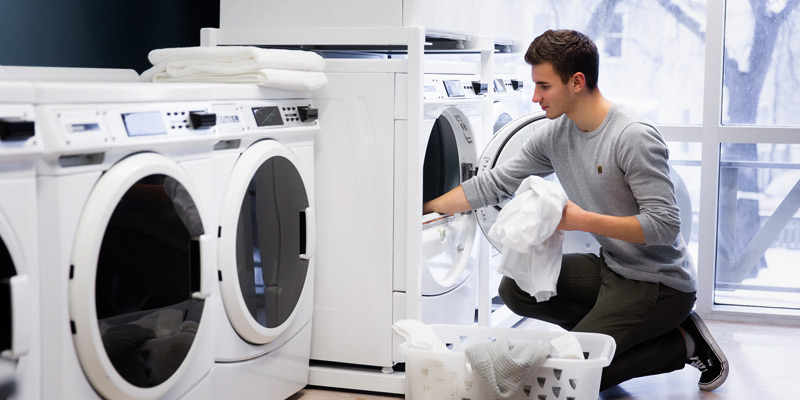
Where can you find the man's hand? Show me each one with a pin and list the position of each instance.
(571, 217)
(575, 218)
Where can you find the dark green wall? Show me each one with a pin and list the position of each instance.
(99, 33)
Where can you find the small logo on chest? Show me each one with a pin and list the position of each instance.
(599, 169)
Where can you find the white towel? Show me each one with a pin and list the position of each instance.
(274, 78)
(526, 226)
(418, 335)
(233, 57)
(278, 68)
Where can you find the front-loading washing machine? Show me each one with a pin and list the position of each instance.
(371, 183)
(20, 146)
(127, 240)
(264, 198)
(509, 101)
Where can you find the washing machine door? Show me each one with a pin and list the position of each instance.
(265, 242)
(136, 293)
(501, 116)
(505, 144)
(447, 240)
(15, 296)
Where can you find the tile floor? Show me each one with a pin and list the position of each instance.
(763, 361)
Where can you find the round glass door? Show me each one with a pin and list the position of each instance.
(447, 240)
(7, 271)
(264, 258)
(135, 285)
(147, 270)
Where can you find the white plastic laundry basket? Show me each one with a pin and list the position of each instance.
(447, 374)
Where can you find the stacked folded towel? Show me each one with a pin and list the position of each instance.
(277, 68)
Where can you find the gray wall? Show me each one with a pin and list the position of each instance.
(99, 33)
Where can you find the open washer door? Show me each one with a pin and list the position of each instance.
(266, 242)
(505, 144)
(136, 293)
(447, 240)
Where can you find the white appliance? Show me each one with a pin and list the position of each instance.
(370, 183)
(127, 238)
(507, 141)
(264, 198)
(20, 146)
(509, 101)
(440, 18)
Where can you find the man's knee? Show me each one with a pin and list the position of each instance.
(511, 294)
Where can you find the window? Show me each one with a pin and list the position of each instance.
(660, 71)
(758, 229)
(761, 63)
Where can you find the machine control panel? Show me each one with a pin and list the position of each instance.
(437, 87)
(95, 127)
(237, 117)
(504, 85)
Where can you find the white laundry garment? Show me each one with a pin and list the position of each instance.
(418, 335)
(526, 226)
(566, 346)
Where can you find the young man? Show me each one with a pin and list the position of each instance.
(613, 166)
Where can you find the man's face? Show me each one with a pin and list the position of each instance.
(549, 91)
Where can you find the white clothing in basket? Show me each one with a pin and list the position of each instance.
(418, 335)
(526, 226)
(503, 366)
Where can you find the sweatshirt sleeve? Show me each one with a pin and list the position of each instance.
(500, 183)
(643, 157)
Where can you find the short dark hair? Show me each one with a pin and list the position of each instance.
(569, 52)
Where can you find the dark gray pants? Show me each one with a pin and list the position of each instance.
(641, 316)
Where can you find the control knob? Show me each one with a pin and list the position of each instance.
(16, 129)
(308, 114)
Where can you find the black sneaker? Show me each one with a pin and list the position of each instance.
(708, 357)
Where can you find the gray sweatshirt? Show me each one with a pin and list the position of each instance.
(618, 169)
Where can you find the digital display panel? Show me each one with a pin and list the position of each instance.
(454, 88)
(144, 123)
(267, 116)
(499, 86)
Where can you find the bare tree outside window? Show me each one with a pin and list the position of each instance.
(660, 71)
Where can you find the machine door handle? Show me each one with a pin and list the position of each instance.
(308, 114)
(480, 87)
(202, 120)
(16, 130)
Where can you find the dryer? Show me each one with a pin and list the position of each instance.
(127, 240)
(455, 19)
(264, 199)
(371, 184)
(20, 146)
